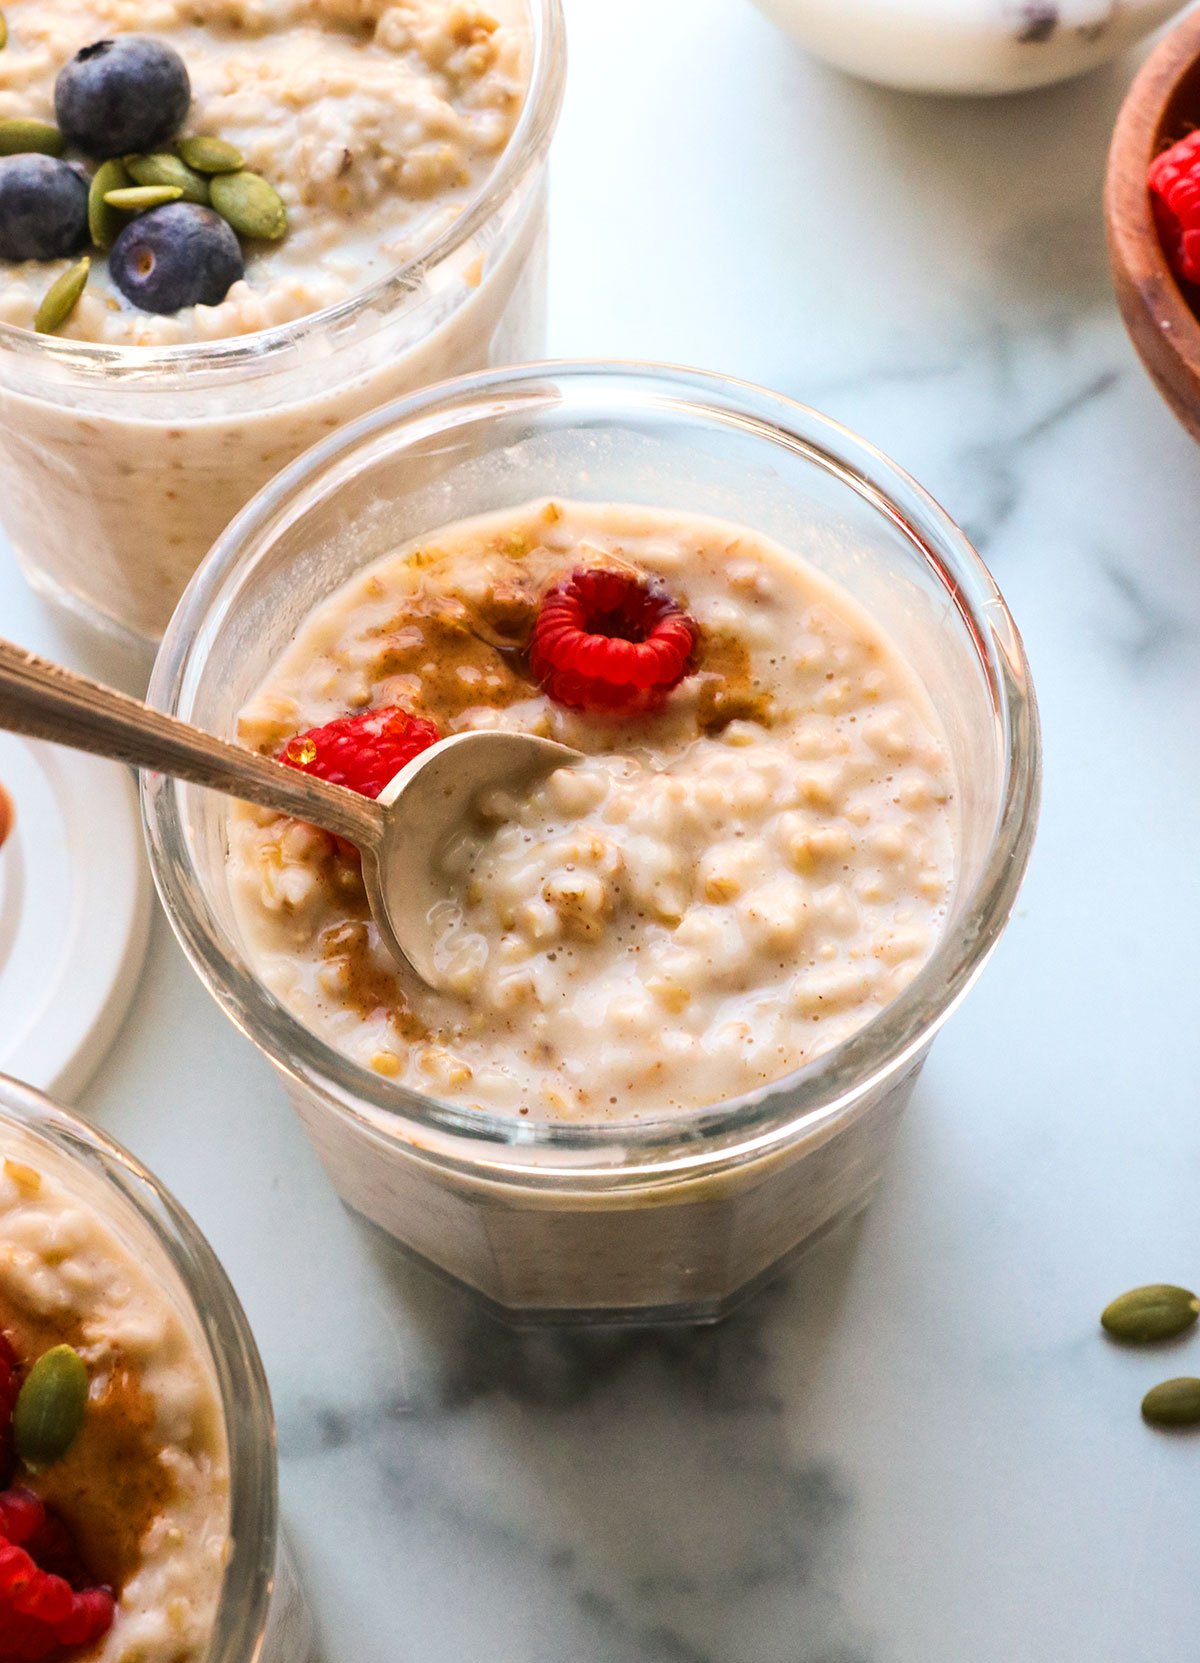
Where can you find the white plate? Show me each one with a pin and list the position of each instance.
(74, 912)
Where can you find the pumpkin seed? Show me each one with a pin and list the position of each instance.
(21, 137)
(50, 1406)
(165, 169)
(57, 305)
(252, 207)
(104, 222)
(138, 198)
(211, 155)
(3, 31)
(1174, 1403)
(1156, 1312)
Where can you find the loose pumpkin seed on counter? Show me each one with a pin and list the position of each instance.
(1146, 1316)
(1173, 1403)
(207, 155)
(252, 206)
(20, 136)
(138, 199)
(62, 297)
(162, 168)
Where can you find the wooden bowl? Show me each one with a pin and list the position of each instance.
(1161, 106)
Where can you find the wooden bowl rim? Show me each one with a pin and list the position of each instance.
(1135, 248)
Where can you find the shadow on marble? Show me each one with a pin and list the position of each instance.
(657, 1482)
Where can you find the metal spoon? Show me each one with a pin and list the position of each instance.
(400, 834)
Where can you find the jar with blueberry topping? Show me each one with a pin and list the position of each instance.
(219, 243)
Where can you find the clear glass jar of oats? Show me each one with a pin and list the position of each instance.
(667, 1199)
(129, 441)
(96, 1253)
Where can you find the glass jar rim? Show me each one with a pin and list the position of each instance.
(231, 355)
(248, 1580)
(798, 1102)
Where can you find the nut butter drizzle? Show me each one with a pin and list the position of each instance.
(110, 1485)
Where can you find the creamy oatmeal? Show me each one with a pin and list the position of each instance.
(725, 887)
(142, 1490)
(376, 120)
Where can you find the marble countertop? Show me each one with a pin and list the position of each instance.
(916, 1448)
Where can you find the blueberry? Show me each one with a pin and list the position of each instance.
(177, 256)
(121, 96)
(43, 208)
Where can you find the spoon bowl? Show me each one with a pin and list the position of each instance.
(423, 806)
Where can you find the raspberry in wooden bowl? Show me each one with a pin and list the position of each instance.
(137, 1471)
(686, 985)
(1152, 211)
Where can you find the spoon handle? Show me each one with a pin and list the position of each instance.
(46, 701)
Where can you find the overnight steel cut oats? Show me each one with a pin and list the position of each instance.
(755, 857)
(114, 1495)
(373, 122)
(183, 177)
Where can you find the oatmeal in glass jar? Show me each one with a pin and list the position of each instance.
(747, 866)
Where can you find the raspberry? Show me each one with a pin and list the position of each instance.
(41, 1613)
(361, 752)
(1174, 181)
(22, 1516)
(609, 641)
(10, 1386)
(91, 1616)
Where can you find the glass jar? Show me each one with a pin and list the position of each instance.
(673, 1218)
(262, 1616)
(119, 465)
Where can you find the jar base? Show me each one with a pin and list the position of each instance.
(699, 1313)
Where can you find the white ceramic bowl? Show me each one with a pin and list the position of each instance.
(968, 46)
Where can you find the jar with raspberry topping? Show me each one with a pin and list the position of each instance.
(686, 987)
(138, 1496)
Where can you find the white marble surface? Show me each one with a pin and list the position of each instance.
(917, 1449)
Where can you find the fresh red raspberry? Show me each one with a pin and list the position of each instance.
(609, 641)
(92, 1611)
(1174, 181)
(10, 1386)
(53, 1546)
(22, 1516)
(362, 752)
(41, 1614)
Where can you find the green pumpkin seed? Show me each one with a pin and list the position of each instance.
(1145, 1315)
(164, 169)
(252, 207)
(105, 222)
(19, 137)
(57, 305)
(1174, 1403)
(50, 1407)
(137, 199)
(3, 31)
(211, 155)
